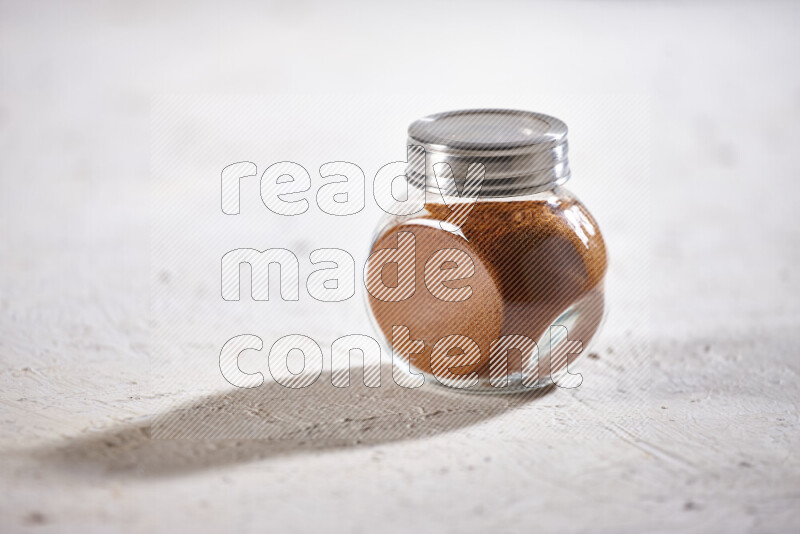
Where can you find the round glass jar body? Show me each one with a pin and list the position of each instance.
(491, 295)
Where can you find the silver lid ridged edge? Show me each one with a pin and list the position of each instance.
(522, 152)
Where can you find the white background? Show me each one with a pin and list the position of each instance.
(708, 443)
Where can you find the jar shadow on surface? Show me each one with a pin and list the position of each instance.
(529, 251)
(247, 425)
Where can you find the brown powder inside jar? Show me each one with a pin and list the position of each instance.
(533, 260)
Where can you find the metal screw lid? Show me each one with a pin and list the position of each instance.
(522, 152)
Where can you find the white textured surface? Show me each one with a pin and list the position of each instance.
(708, 442)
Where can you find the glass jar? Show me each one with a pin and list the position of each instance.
(497, 282)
